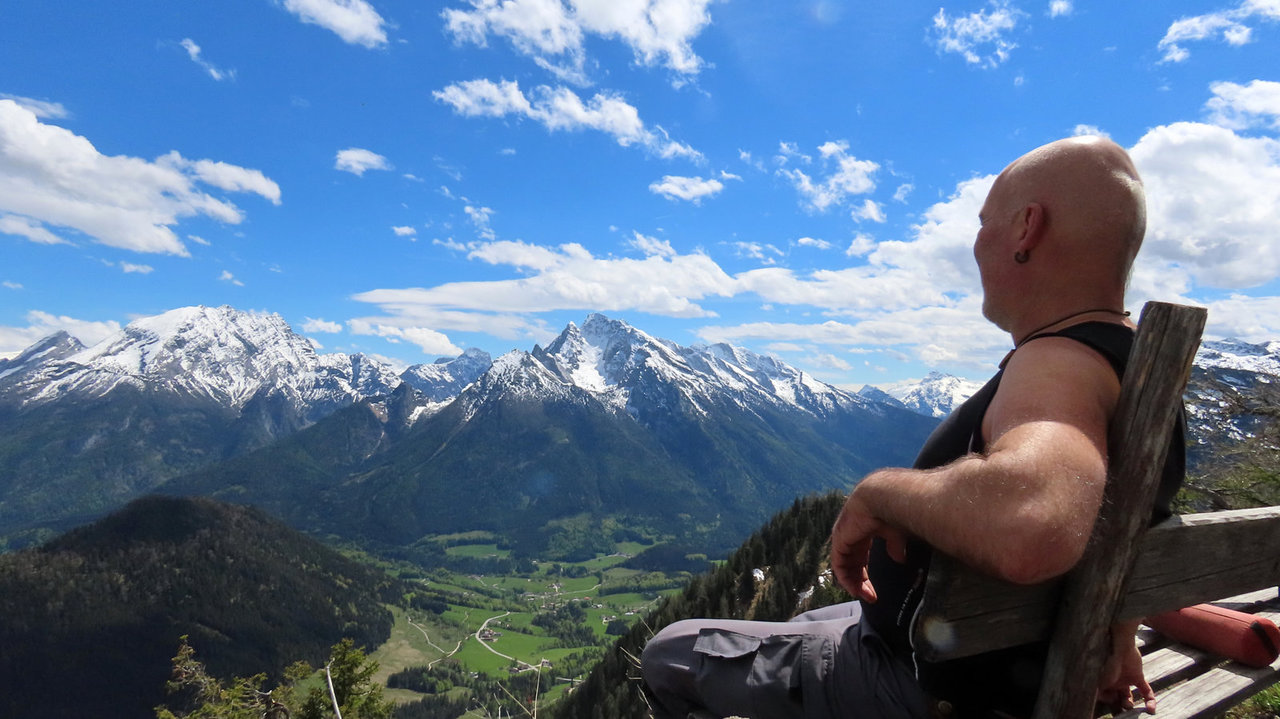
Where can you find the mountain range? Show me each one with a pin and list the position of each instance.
(606, 420)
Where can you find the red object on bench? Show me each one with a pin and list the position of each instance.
(1251, 640)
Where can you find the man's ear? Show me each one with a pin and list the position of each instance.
(1031, 223)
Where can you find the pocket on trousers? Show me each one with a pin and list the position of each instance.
(744, 674)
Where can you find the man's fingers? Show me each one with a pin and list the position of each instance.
(1148, 696)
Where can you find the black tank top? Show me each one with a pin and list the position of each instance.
(1009, 679)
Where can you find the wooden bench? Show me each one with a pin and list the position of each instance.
(1128, 571)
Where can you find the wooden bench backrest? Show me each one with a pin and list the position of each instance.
(1080, 607)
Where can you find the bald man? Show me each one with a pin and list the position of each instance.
(1010, 483)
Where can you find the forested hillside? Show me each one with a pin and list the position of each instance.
(89, 621)
(790, 550)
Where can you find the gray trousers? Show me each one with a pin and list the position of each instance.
(823, 663)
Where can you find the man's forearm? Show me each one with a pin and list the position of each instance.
(1000, 513)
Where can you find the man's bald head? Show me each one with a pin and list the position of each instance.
(1091, 194)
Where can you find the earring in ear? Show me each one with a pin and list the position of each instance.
(1021, 257)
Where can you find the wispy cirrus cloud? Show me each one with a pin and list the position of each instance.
(355, 21)
(1233, 26)
(562, 109)
(981, 37)
(42, 109)
(51, 178)
(215, 72)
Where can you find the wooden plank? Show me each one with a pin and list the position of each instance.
(1139, 437)
(1220, 686)
(1187, 560)
(968, 613)
(1169, 665)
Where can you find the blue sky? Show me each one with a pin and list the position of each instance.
(800, 178)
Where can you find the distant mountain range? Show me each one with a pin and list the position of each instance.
(934, 396)
(605, 421)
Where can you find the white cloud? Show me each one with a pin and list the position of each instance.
(692, 189)
(1059, 8)
(52, 177)
(929, 280)
(1088, 131)
(430, 341)
(321, 326)
(130, 268)
(1252, 319)
(566, 277)
(42, 109)
(562, 109)
(652, 246)
(812, 242)
(1229, 25)
(357, 161)
(956, 335)
(404, 231)
(904, 190)
(226, 276)
(11, 285)
(763, 252)
(848, 176)
(827, 360)
(1213, 203)
(355, 21)
(224, 176)
(42, 324)
(1240, 107)
(868, 210)
(30, 229)
(480, 217)
(980, 37)
(553, 33)
(860, 245)
(193, 52)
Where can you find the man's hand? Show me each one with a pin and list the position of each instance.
(851, 545)
(1122, 673)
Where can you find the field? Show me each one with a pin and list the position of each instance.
(500, 626)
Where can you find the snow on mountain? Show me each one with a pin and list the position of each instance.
(613, 360)
(1227, 397)
(214, 353)
(1236, 355)
(50, 349)
(225, 356)
(1233, 391)
(446, 377)
(934, 396)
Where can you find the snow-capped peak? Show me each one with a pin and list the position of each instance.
(447, 376)
(218, 354)
(615, 361)
(1263, 358)
(56, 346)
(934, 396)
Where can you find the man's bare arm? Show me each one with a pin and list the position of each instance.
(1024, 510)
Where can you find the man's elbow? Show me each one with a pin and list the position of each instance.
(1039, 555)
